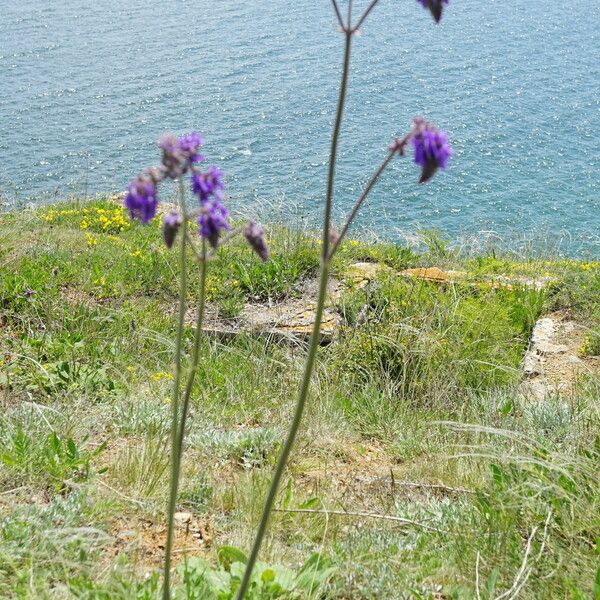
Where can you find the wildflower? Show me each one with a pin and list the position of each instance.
(91, 240)
(160, 376)
(28, 293)
(256, 238)
(212, 221)
(141, 198)
(178, 154)
(173, 160)
(435, 7)
(190, 145)
(171, 223)
(432, 149)
(208, 184)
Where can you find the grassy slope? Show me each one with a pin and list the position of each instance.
(422, 391)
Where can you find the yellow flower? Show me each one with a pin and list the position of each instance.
(160, 376)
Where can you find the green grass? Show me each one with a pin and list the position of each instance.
(414, 414)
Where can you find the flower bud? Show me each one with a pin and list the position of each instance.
(435, 7)
(256, 238)
(171, 224)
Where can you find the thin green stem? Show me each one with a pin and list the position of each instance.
(334, 145)
(176, 391)
(195, 355)
(178, 446)
(291, 436)
(365, 15)
(360, 200)
(315, 336)
(338, 14)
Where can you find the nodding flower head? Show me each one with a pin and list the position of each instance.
(171, 224)
(212, 221)
(432, 149)
(435, 7)
(178, 154)
(209, 184)
(141, 198)
(256, 238)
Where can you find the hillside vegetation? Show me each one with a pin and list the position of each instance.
(421, 471)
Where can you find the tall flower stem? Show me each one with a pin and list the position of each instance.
(334, 145)
(180, 431)
(176, 391)
(195, 354)
(316, 330)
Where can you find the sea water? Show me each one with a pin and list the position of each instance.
(86, 89)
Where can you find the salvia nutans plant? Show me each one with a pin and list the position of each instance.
(182, 157)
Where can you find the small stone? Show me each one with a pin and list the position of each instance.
(182, 518)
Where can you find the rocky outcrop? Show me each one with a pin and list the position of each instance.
(293, 318)
(552, 364)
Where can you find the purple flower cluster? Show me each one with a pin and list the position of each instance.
(189, 146)
(435, 7)
(213, 221)
(180, 156)
(209, 184)
(432, 149)
(141, 199)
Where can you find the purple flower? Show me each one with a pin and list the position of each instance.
(190, 145)
(256, 238)
(28, 293)
(171, 224)
(432, 149)
(435, 7)
(208, 184)
(179, 153)
(212, 221)
(141, 198)
(173, 158)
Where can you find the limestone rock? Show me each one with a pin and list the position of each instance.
(183, 518)
(362, 273)
(551, 365)
(433, 274)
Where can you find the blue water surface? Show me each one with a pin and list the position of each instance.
(87, 88)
